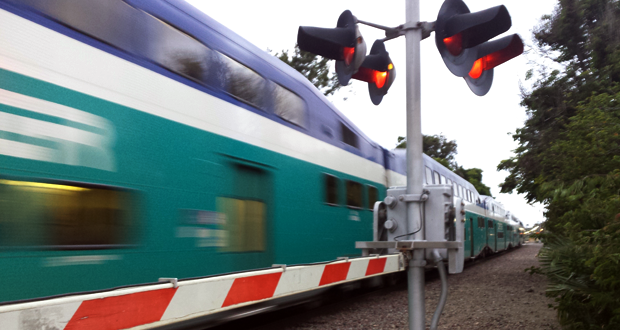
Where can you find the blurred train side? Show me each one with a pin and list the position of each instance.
(134, 150)
(120, 165)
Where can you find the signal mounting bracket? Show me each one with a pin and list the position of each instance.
(395, 32)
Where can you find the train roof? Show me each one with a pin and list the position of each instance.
(201, 26)
(398, 164)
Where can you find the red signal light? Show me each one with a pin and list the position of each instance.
(347, 54)
(488, 62)
(380, 78)
(454, 44)
(477, 68)
(372, 76)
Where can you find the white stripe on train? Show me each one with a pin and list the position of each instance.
(35, 51)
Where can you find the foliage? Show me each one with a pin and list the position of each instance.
(569, 159)
(313, 67)
(443, 151)
(474, 176)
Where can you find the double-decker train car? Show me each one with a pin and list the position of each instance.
(141, 139)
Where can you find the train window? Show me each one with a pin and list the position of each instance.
(134, 31)
(243, 83)
(500, 235)
(429, 176)
(436, 176)
(104, 20)
(373, 196)
(289, 106)
(456, 190)
(62, 215)
(348, 136)
(354, 194)
(331, 189)
(490, 223)
(244, 225)
(461, 191)
(443, 179)
(173, 49)
(480, 223)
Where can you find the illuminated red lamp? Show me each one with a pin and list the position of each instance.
(347, 54)
(372, 76)
(489, 61)
(454, 44)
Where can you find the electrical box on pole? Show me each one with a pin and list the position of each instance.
(442, 220)
(462, 40)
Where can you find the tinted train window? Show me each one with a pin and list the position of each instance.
(373, 196)
(429, 176)
(348, 136)
(244, 84)
(331, 189)
(63, 216)
(490, 223)
(134, 31)
(480, 223)
(354, 194)
(500, 235)
(289, 106)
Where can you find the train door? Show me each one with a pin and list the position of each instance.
(471, 238)
(491, 235)
(247, 213)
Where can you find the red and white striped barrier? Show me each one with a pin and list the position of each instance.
(156, 305)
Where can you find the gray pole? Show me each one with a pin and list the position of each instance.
(415, 167)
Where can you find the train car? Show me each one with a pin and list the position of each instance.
(142, 139)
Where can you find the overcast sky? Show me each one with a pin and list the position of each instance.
(480, 125)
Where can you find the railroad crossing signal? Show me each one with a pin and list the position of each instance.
(462, 40)
(344, 44)
(378, 71)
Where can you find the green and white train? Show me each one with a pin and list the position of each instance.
(141, 139)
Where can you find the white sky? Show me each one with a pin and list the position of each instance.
(480, 125)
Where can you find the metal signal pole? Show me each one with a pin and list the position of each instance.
(415, 167)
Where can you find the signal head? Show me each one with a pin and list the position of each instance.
(489, 55)
(344, 44)
(378, 71)
(458, 32)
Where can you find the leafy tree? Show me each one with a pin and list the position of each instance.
(313, 67)
(569, 159)
(439, 148)
(474, 176)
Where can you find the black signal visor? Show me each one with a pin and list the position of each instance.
(475, 28)
(494, 53)
(329, 43)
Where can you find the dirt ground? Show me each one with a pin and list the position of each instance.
(490, 294)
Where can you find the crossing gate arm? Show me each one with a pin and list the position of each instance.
(148, 306)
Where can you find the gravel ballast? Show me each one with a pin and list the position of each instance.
(490, 294)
